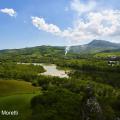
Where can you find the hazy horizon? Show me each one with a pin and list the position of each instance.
(54, 45)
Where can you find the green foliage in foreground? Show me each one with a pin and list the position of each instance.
(16, 95)
(21, 103)
(110, 78)
(92, 91)
(56, 104)
(70, 99)
(15, 87)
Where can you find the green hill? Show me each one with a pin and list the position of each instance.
(43, 53)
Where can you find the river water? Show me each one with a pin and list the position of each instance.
(51, 69)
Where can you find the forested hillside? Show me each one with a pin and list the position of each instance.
(91, 92)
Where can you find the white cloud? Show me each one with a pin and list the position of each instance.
(42, 25)
(97, 25)
(11, 12)
(80, 7)
(103, 24)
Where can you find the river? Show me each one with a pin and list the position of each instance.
(51, 69)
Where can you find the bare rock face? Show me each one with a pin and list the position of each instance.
(92, 109)
(93, 105)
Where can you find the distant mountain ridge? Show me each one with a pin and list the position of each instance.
(93, 47)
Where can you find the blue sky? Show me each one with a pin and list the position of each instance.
(29, 24)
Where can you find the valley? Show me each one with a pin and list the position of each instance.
(43, 83)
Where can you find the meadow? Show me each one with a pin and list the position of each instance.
(16, 95)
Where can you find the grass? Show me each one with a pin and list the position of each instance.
(16, 95)
(12, 87)
(107, 54)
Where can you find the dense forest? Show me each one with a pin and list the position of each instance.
(92, 91)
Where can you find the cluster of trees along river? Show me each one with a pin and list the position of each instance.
(76, 89)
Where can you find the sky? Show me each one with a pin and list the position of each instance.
(26, 23)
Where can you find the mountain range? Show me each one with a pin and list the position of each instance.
(93, 47)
